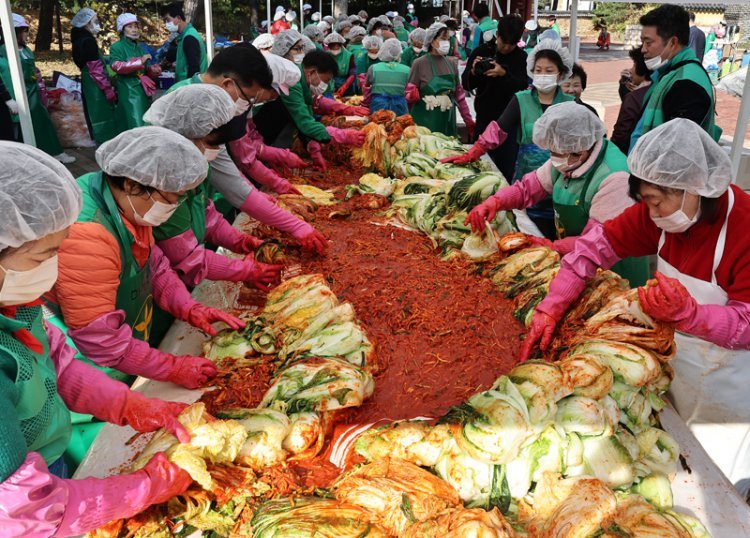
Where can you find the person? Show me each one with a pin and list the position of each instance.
(604, 40)
(136, 73)
(371, 44)
(439, 85)
(111, 275)
(291, 19)
(697, 39)
(481, 14)
(343, 82)
(306, 12)
(8, 108)
(399, 28)
(496, 86)
(315, 18)
(343, 27)
(552, 20)
(388, 79)
(375, 27)
(363, 16)
(324, 28)
(691, 216)
(455, 48)
(356, 35)
(416, 47)
(636, 85)
(586, 176)
(576, 85)
(279, 23)
(36, 93)
(288, 44)
(314, 34)
(264, 43)
(41, 381)
(199, 112)
(411, 16)
(97, 91)
(681, 87)
(549, 65)
(191, 49)
(530, 35)
(279, 124)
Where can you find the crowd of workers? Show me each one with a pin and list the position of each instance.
(93, 269)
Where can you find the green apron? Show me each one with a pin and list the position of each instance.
(133, 296)
(455, 46)
(44, 130)
(343, 61)
(364, 62)
(181, 66)
(572, 204)
(132, 102)
(44, 418)
(402, 34)
(408, 56)
(100, 112)
(436, 120)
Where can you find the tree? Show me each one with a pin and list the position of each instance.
(44, 32)
(340, 6)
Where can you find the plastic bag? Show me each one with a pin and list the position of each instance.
(66, 111)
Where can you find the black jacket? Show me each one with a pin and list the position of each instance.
(494, 93)
(85, 48)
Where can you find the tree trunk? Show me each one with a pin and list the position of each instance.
(190, 7)
(340, 6)
(44, 33)
(254, 13)
(58, 26)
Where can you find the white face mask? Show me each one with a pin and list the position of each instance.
(545, 83)
(21, 287)
(561, 164)
(95, 29)
(297, 58)
(372, 55)
(211, 153)
(444, 47)
(335, 52)
(132, 34)
(678, 221)
(379, 32)
(157, 215)
(319, 89)
(655, 63)
(171, 27)
(417, 49)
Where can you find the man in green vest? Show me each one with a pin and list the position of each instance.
(481, 14)
(191, 49)
(681, 87)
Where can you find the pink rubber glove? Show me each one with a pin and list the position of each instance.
(474, 154)
(220, 232)
(463, 106)
(247, 244)
(412, 94)
(542, 329)
(168, 290)
(259, 207)
(247, 149)
(325, 106)
(668, 300)
(361, 111)
(345, 86)
(316, 154)
(348, 137)
(153, 71)
(482, 213)
(280, 158)
(261, 275)
(265, 176)
(148, 85)
(314, 242)
(129, 67)
(202, 316)
(362, 81)
(43, 94)
(37, 504)
(541, 242)
(98, 75)
(470, 126)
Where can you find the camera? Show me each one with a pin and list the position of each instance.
(484, 65)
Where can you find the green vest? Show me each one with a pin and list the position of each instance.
(389, 78)
(436, 120)
(190, 215)
(408, 56)
(684, 66)
(402, 34)
(43, 417)
(484, 25)
(343, 61)
(132, 102)
(357, 51)
(365, 62)
(195, 79)
(181, 66)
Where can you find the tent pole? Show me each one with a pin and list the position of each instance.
(574, 30)
(16, 72)
(209, 30)
(268, 14)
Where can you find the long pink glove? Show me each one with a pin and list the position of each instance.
(108, 341)
(148, 85)
(128, 67)
(219, 232)
(325, 105)
(99, 76)
(265, 176)
(412, 93)
(463, 106)
(316, 154)
(348, 137)
(280, 158)
(345, 86)
(43, 94)
(259, 207)
(246, 149)
(492, 137)
(171, 295)
(37, 504)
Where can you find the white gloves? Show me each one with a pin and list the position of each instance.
(12, 106)
(443, 102)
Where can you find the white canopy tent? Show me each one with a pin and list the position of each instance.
(743, 118)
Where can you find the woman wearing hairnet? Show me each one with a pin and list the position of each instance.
(111, 273)
(99, 96)
(371, 45)
(343, 81)
(41, 381)
(387, 80)
(586, 176)
(549, 64)
(696, 222)
(314, 34)
(136, 73)
(439, 85)
(198, 112)
(416, 47)
(288, 44)
(264, 43)
(354, 45)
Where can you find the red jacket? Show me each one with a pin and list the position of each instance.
(279, 26)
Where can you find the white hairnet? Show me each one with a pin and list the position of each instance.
(312, 31)
(285, 73)
(549, 33)
(530, 25)
(357, 31)
(398, 22)
(290, 15)
(341, 25)
(278, 16)
(19, 21)
(568, 128)
(554, 45)
(330, 20)
(354, 19)
(315, 17)
(386, 21)
(334, 38)
(307, 44)
(263, 41)
(38, 196)
(306, 7)
(83, 17)
(371, 24)
(154, 157)
(417, 36)
(680, 155)
(280, 9)
(324, 26)
(284, 41)
(432, 32)
(192, 111)
(390, 51)
(372, 42)
(362, 14)
(124, 19)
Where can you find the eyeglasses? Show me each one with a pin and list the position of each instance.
(297, 48)
(242, 94)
